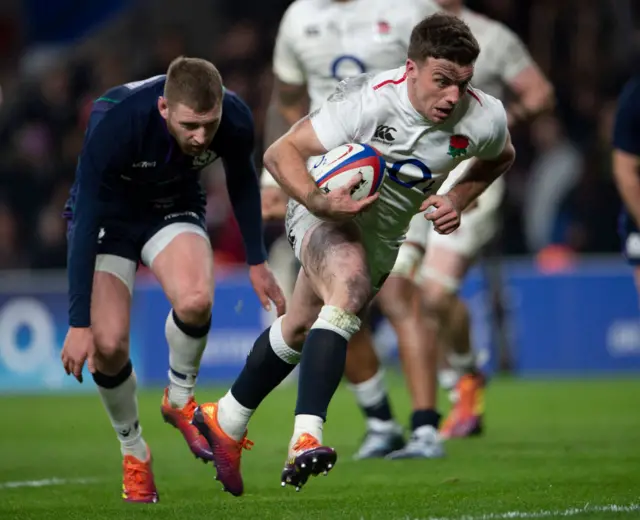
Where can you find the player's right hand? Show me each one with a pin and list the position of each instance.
(274, 203)
(78, 347)
(337, 205)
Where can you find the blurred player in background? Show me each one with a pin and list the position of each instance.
(137, 197)
(626, 170)
(504, 63)
(320, 43)
(346, 252)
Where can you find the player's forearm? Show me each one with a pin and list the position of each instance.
(478, 177)
(81, 258)
(532, 103)
(288, 167)
(244, 194)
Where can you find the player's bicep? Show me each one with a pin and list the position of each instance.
(304, 139)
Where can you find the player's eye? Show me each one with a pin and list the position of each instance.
(190, 126)
(441, 82)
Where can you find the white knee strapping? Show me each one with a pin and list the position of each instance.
(122, 268)
(448, 282)
(338, 320)
(156, 244)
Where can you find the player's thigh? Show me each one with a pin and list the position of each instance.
(449, 257)
(333, 258)
(303, 310)
(179, 255)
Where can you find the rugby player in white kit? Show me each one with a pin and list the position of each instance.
(320, 43)
(347, 252)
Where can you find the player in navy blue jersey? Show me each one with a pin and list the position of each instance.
(137, 197)
(626, 169)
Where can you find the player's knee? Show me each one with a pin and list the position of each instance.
(437, 300)
(111, 349)
(396, 298)
(352, 292)
(294, 332)
(194, 308)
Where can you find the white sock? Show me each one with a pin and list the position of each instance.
(121, 405)
(311, 424)
(233, 417)
(185, 353)
(370, 393)
(463, 362)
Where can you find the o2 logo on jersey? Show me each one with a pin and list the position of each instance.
(395, 171)
(347, 66)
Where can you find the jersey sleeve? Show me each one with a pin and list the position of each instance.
(339, 119)
(512, 56)
(286, 65)
(242, 179)
(106, 149)
(496, 140)
(626, 127)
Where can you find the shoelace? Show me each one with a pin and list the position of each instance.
(135, 474)
(305, 442)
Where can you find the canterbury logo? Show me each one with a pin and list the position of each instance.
(384, 133)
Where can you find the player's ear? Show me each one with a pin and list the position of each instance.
(163, 107)
(412, 68)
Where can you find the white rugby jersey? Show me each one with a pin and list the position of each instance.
(322, 42)
(375, 109)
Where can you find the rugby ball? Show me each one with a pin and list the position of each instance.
(338, 166)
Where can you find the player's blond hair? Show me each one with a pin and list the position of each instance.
(443, 36)
(194, 82)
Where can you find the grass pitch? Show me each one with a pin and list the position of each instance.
(552, 449)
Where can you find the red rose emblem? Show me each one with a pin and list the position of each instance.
(459, 142)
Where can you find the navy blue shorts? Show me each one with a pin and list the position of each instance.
(126, 236)
(630, 238)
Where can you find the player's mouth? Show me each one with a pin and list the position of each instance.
(443, 113)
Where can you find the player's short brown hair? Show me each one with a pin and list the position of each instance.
(443, 36)
(194, 82)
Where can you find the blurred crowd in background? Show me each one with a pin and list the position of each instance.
(559, 192)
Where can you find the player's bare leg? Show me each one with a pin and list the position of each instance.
(114, 375)
(181, 259)
(400, 301)
(366, 381)
(335, 262)
(273, 357)
(444, 269)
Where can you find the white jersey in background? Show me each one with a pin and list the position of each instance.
(419, 154)
(322, 42)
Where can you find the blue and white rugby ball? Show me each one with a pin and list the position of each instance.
(338, 166)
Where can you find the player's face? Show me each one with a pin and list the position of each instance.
(193, 131)
(436, 86)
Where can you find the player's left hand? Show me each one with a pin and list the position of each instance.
(445, 217)
(267, 288)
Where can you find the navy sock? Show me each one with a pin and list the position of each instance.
(381, 411)
(425, 418)
(262, 372)
(321, 367)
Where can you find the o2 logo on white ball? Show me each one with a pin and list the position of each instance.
(29, 313)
